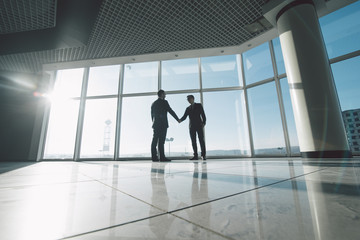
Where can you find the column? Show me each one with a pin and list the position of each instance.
(317, 112)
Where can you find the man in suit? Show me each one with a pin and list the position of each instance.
(159, 110)
(196, 125)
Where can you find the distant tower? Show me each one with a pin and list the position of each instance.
(107, 134)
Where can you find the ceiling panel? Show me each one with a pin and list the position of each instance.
(134, 27)
(25, 15)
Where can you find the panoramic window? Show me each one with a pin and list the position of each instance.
(258, 64)
(61, 132)
(180, 74)
(278, 56)
(265, 118)
(103, 80)
(341, 30)
(346, 75)
(136, 126)
(141, 77)
(221, 71)
(98, 135)
(226, 128)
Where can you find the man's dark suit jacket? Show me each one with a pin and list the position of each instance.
(159, 110)
(196, 115)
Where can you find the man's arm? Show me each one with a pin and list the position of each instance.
(152, 112)
(172, 111)
(202, 113)
(186, 113)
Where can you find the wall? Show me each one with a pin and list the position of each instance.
(18, 108)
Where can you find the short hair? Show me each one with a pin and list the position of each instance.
(191, 96)
(160, 92)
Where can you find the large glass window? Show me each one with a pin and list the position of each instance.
(226, 128)
(178, 139)
(221, 71)
(278, 56)
(180, 74)
(141, 77)
(61, 132)
(294, 142)
(98, 134)
(136, 126)
(267, 131)
(68, 84)
(103, 81)
(258, 64)
(341, 30)
(347, 81)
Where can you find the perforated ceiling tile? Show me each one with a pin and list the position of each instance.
(133, 27)
(138, 27)
(26, 15)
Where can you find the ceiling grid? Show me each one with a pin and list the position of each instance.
(133, 27)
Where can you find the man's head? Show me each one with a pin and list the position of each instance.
(161, 94)
(191, 99)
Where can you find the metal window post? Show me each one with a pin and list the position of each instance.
(280, 100)
(80, 123)
(118, 113)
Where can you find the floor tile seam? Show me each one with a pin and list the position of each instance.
(206, 202)
(200, 226)
(243, 175)
(142, 219)
(131, 196)
(239, 193)
(114, 226)
(46, 184)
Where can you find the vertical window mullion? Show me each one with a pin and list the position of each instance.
(200, 82)
(80, 123)
(159, 76)
(118, 115)
(280, 100)
(247, 107)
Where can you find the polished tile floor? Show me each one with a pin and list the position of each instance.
(274, 198)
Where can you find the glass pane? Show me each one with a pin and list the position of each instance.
(103, 80)
(141, 77)
(98, 135)
(341, 30)
(278, 56)
(61, 133)
(68, 83)
(294, 143)
(266, 123)
(221, 71)
(347, 81)
(257, 64)
(136, 130)
(226, 128)
(180, 74)
(181, 144)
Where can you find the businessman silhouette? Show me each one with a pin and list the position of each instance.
(197, 121)
(159, 110)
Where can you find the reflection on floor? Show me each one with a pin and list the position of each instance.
(218, 199)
